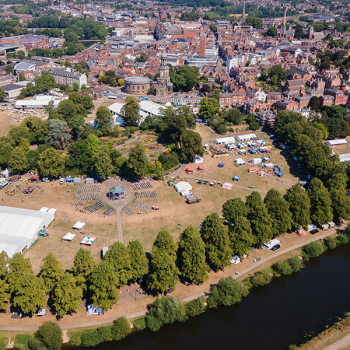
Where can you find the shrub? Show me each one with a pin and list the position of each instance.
(195, 307)
(120, 329)
(105, 333)
(313, 250)
(331, 243)
(282, 268)
(261, 278)
(36, 344)
(75, 338)
(21, 341)
(227, 292)
(295, 263)
(50, 334)
(91, 337)
(343, 239)
(140, 324)
(165, 310)
(293, 347)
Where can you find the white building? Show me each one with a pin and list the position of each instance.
(246, 137)
(40, 101)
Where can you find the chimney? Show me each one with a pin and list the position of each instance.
(202, 45)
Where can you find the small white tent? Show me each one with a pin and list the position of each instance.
(68, 236)
(78, 225)
(239, 161)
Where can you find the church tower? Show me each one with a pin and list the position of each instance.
(163, 86)
(284, 26)
(242, 22)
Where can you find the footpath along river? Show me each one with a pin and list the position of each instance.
(270, 317)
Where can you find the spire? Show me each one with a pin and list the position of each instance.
(284, 23)
(243, 14)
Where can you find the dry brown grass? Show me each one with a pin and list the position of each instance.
(6, 122)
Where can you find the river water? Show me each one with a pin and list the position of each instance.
(287, 311)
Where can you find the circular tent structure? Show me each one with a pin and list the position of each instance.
(116, 192)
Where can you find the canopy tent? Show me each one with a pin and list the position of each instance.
(242, 151)
(41, 312)
(264, 149)
(227, 185)
(268, 165)
(253, 150)
(253, 169)
(201, 167)
(44, 209)
(261, 173)
(189, 170)
(94, 310)
(78, 225)
(183, 186)
(239, 161)
(68, 236)
(89, 181)
(256, 160)
(241, 145)
(116, 192)
(260, 142)
(198, 160)
(221, 165)
(87, 240)
(5, 173)
(69, 179)
(77, 180)
(236, 178)
(278, 173)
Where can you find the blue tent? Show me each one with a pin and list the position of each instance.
(278, 173)
(69, 179)
(236, 178)
(221, 165)
(92, 310)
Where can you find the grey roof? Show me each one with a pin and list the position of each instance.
(12, 87)
(24, 66)
(117, 189)
(137, 80)
(63, 72)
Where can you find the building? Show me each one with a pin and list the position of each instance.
(233, 98)
(68, 76)
(137, 85)
(19, 228)
(40, 102)
(202, 45)
(13, 90)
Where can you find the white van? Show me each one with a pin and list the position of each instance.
(62, 181)
(271, 244)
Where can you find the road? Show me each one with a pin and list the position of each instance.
(192, 297)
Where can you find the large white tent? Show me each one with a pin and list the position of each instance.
(183, 186)
(19, 228)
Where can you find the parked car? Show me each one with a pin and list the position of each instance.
(62, 181)
(235, 259)
(29, 190)
(275, 247)
(314, 231)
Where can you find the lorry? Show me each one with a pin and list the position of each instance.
(191, 200)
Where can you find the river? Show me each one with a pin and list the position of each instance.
(289, 310)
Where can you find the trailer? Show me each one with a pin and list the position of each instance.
(191, 200)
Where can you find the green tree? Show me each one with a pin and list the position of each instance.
(138, 260)
(141, 58)
(165, 310)
(118, 257)
(66, 295)
(45, 82)
(299, 33)
(314, 103)
(120, 328)
(299, 206)
(93, 143)
(104, 120)
(209, 107)
(313, 250)
(233, 209)
(227, 292)
(82, 267)
(103, 285)
(5, 153)
(102, 163)
(58, 135)
(234, 116)
(75, 86)
(87, 102)
(191, 256)
(137, 163)
(51, 271)
(75, 97)
(340, 204)
(2, 94)
(9, 69)
(217, 243)
(37, 129)
(51, 163)
(80, 156)
(17, 267)
(241, 236)
(131, 111)
(278, 209)
(321, 204)
(17, 161)
(259, 218)
(67, 109)
(29, 293)
(191, 145)
(256, 22)
(272, 31)
(50, 333)
(164, 241)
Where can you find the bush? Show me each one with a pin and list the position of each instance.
(261, 278)
(293, 347)
(140, 324)
(282, 268)
(295, 263)
(331, 243)
(50, 334)
(343, 239)
(105, 333)
(195, 307)
(75, 338)
(91, 337)
(21, 341)
(120, 329)
(227, 292)
(165, 310)
(313, 250)
(36, 344)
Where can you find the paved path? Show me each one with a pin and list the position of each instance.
(118, 205)
(341, 344)
(192, 297)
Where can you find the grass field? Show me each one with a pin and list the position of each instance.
(6, 123)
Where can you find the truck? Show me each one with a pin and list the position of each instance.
(191, 200)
